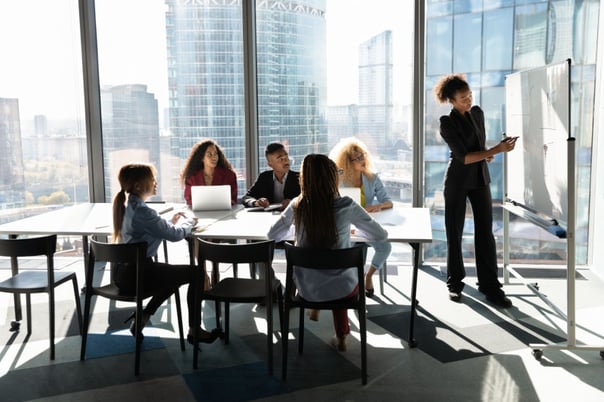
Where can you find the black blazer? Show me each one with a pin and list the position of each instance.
(464, 134)
(263, 188)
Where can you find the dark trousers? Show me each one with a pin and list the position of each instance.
(162, 280)
(485, 248)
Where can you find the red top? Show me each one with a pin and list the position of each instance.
(221, 176)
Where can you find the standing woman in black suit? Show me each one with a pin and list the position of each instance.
(467, 178)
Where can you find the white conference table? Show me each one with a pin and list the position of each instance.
(85, 220)
(404, 225)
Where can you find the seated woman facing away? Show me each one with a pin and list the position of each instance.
(322, 220)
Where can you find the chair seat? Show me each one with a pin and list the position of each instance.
(238, 290)
(32, 281)
(345, 303)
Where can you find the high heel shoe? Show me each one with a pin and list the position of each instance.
(133, 323)
(204, 336)
(369, 292)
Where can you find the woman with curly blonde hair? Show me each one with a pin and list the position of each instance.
(354, 161)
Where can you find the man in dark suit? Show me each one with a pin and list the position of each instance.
(276, 186)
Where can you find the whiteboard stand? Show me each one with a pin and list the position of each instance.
(571, 343)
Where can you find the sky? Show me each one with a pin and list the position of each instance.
(44, 59)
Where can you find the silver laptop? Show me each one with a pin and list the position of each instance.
(352, 192)
(211, 198)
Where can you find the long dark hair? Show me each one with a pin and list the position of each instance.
(194, 162)
(314, 209)
(134, 178)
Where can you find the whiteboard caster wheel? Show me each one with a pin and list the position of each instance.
(537, 353)
(14, 326)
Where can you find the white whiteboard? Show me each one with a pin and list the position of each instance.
(538, 111)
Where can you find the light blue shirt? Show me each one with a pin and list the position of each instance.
(333, 284)
(142, 223)
(374, 189)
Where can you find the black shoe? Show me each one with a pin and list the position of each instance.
(454, 296)
(369, 292)
(500, 300)
(133, 324)
(204, 336)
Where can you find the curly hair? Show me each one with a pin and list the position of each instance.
(314, 207)
(448, 85)
(194, 162)
(343, 153)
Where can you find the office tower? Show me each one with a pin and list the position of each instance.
(375, 94)
(12, 181)
(130, 129)
(206, 81)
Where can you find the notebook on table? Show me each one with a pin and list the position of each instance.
(352, 192)
(211, 198)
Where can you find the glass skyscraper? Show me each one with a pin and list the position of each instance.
(206, 81)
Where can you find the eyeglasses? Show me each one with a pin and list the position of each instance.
(340, 171)
(359, 158)
(283, 158)
(212, 154)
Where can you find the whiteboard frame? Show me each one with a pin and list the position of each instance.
(511, 207)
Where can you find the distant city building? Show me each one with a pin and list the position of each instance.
(130, 129)
(206, 77)
(12, 180)
(375, 94)
(342, 122)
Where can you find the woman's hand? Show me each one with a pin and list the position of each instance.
(176, 217)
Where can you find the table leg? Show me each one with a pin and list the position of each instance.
(17, 297)
(412, 341)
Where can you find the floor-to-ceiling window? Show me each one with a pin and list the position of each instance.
(43, 159)
(486, 41)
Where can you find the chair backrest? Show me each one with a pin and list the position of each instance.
(254, 254)
(118, 252)
(353, 257)
(242, 253)
(45, 245)
(130, 253)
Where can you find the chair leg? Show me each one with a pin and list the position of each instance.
(85, 325)
(74, 281)
(28, 312)
(363, 329)
(269, 334)
(179, 316)
(227, 313)
(51, 322)
(284, 341)
(138, 338)
(301, 332)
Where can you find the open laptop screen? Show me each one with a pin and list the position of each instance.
(211, 198)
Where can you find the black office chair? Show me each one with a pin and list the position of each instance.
(132, 253)
(29, 282)
(240, 290)
(353, 257)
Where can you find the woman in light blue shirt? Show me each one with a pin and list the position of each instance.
(323, 219)
(353, 158)
(134, 221)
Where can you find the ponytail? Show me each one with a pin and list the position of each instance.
(119, 208)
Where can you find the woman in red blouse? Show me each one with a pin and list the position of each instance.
(207, 165)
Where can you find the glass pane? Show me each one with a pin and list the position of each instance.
(542, 32)
(171, 74)
(467, 42)
(333, 69)
(43, 162)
